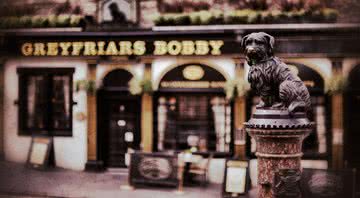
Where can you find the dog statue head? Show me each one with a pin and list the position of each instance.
(258, 47)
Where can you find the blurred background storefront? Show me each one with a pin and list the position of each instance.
(101, 77)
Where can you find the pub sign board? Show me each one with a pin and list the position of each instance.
(192, 76)
(236, 178)
(153, 169)
(138, 43)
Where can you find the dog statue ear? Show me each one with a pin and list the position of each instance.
(243, 40)
(270, 39)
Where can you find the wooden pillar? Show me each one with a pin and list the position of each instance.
(239, 116)
(93, 164)
(147, 115)
(337, 121)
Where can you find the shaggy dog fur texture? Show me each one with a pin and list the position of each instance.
(271, 78)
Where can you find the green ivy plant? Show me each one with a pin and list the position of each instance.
(236, 88)
(138, 86)
(248, 16)
(85, 85)
(336, 84)
(39, 21)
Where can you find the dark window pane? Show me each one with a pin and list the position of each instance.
(36, 102)
(193, 121)
(60, 102)
(45, 101)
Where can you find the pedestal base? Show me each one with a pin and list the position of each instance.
(279, 138)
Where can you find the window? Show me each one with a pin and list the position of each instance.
(45, 101)
(200, 121)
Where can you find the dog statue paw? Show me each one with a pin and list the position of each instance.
(271, 78)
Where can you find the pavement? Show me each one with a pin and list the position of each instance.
(17, 180)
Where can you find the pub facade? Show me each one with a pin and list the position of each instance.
(101, 94)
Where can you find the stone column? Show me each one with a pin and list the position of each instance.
(279, 138)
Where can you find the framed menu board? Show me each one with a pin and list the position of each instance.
(40, 148)
(153, 169)
(236, 178)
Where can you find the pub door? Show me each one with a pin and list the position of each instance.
(351, 123)
(120, 127)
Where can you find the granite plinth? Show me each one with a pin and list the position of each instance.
(279, 138)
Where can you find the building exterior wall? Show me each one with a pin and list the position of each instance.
(70, 152)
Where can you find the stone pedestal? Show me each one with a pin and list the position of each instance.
(279, 138)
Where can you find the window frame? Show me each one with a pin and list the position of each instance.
(176, 93)
(49, 74)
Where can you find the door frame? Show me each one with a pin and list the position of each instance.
(102, 128)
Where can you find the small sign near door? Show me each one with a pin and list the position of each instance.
(39, 153)
(236, 179)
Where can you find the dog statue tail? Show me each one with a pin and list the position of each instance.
(296, 106)
(300, 105)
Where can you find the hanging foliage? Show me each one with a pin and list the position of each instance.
(138, 86)
(236, 88)
(85, 85)
(336, 84)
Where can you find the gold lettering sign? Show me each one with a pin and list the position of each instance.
(193, 72)
(121, 48)
(27, 49)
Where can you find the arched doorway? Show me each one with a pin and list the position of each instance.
(191, 111)
(317, 146)
(118, 115)
(351, 118)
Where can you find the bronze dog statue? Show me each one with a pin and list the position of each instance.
(271, 78)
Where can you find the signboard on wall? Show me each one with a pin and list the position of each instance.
(122, 48)
(193, 76)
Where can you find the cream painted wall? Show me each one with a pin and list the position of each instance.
(70, 152)
(161, 65)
